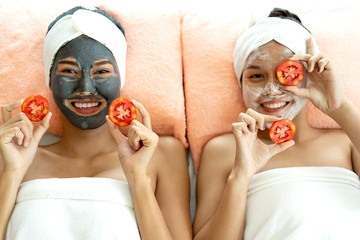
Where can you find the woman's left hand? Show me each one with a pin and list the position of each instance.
(135, 150)
(325, 90)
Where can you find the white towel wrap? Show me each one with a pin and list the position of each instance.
(312, 203)
(73, 208)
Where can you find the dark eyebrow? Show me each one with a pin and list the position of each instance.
(67, 62)
(254, 67)
(100, 62)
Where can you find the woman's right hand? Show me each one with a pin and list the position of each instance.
(19, 138)
(251, 153)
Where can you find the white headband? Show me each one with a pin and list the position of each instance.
(286, 32)
(91, 24)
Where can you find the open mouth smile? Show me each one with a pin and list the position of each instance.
(85, 107)
(274, 107)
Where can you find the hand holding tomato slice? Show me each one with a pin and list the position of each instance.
(325, 90)
(282, 131)
(19, 138)
(251, 152)
(122, 111)
(135, 150)
(290, 73)
(35, 107)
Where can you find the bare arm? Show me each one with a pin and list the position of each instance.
(221, 199)
(226, 174)
(172, 204)
(348, 117)
(155, 212)
(18, 144)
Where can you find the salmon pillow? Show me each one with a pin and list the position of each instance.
(154, 59)
(213, 97)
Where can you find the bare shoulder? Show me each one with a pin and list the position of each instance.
(169, 156)
(332, 136)
(218, 153)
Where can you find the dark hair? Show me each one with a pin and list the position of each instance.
(97, 10)
(285, 14)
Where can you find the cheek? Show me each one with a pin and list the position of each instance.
(250, 95)
(109, 88)
(61, 87)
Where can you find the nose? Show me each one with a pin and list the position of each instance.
(273, 87)
(86, 84)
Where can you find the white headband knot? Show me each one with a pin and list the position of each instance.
(91, 24)
(284, 31)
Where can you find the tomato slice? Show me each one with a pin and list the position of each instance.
(122, 111)
(282, 131)
(290, 73)
(35, 107)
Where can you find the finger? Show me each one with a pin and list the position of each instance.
(40, 130)
(8, 135)
(115, 132)
(239, 129)
(145, 115)
(250, 121)
(312, 62)
(7, 109)
(322, 64)
(261, 119)
(301, 57)
(134, 139)
(20, 117)
(310, 46)
(27, 133)
(277, 148)
(301, 92)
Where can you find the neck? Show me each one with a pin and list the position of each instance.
(82, 143)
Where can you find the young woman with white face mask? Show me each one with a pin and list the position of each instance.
(306, 188)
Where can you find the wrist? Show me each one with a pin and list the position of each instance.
(139, 179)
(344, 109)
(240, 177)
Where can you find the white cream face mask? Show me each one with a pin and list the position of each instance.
(269, 93)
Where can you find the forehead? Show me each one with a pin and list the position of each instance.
(271, 52)
(84, 49)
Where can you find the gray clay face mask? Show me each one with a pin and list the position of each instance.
(84, 81)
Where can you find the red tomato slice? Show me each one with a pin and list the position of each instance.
(122, 111)
(282, 131)
(290, 73)
(35, 107)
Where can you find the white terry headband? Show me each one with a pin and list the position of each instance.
(91, 24)
(286, 32)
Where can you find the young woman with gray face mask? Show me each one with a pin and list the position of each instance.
(96, 183)
(306, 188)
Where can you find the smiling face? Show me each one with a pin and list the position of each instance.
(84, 81)
(261, 89)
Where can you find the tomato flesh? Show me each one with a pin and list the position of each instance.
(35, 107)
(282, 131)
(122, 111)
(290, 73)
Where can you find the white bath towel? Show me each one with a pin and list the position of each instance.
(312, 203)
(73, 208)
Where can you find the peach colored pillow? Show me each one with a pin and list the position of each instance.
(154, 60)
(213, 98)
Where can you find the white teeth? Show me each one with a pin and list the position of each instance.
(274, 105)
(86, 105)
